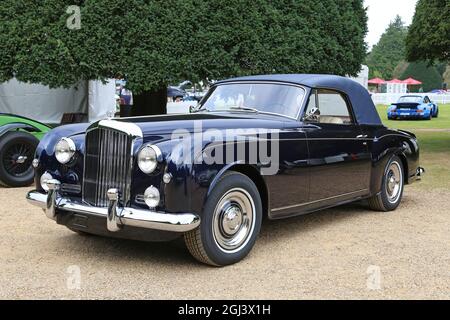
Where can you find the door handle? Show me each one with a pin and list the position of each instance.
(362, 136)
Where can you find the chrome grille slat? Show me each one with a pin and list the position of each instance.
(107, 165)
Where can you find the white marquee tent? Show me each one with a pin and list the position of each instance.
(41, 103)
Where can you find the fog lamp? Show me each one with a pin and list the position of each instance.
(151, 197)
(44, 178)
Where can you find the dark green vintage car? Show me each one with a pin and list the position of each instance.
(19, 137)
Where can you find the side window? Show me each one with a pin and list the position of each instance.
(333, 108)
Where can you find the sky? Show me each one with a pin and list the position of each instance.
(381, 12)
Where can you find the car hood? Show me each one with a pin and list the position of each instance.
(197, 122)
(163, 127)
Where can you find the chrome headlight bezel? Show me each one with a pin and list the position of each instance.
(148, 158)
(65, 150)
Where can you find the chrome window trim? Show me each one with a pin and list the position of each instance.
(347, 101)
(206, 97)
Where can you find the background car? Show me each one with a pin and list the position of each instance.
(413, 107)
(19, 137)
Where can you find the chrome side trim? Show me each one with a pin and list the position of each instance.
(122, 216)
(318, 201)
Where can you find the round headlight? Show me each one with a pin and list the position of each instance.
(148, 158)
(151, 197)
(65, 150)
(44, 178)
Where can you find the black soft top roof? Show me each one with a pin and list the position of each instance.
(360, 99)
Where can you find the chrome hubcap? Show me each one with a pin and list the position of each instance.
(233, 221)
(394, 182)
(21, 159)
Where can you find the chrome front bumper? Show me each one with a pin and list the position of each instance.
(115, 216)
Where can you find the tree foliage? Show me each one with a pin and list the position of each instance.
(389, 52)
(428, 75)
(153, 43)
(429, 34)
(446, 77)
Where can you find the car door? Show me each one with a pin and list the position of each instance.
(289, 188)
(339, 160)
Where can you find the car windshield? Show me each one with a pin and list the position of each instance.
(413, 99)
(282, 99)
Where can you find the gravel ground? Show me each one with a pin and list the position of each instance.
(347, 252)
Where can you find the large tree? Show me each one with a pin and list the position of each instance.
(154, 43)
(389, 51)
(429, 34)
(428, 75)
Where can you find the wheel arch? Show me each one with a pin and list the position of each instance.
(253, 173)
(404, 160)
(17, 125)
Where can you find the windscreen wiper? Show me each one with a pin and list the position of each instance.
(244, 109)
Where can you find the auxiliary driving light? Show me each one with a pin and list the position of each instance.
(151, 197)
(44, 178)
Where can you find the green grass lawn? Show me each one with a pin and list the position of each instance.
(434, 141)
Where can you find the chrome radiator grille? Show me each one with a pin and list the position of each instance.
(107, 164)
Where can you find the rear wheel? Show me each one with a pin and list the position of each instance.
(16, 155)
(391, 188)
(231, 222)
(436, 113)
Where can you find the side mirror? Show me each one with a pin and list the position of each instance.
(313, 115)
(194, 109)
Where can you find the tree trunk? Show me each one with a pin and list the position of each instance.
(150, 103)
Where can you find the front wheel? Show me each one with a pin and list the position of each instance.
(16, 155)
(231, 222)
(391, 188)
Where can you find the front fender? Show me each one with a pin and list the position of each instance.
(16, 126)
(45, 147)
(192, 178)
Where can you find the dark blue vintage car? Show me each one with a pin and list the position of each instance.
(272, 146)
